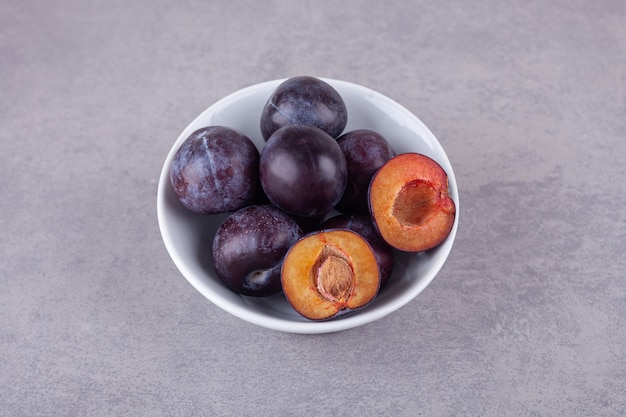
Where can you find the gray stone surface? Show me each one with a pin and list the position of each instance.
(527, 317)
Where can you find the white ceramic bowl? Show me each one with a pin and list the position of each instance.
(188, 236)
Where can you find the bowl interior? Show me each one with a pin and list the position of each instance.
(188, 236)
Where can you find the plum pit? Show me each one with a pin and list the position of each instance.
(333, 275)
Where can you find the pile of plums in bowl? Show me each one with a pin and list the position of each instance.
(308, 205)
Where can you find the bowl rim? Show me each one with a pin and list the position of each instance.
(365, 315)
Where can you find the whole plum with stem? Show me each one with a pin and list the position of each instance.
(249, 246)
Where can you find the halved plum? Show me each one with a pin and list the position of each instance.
(329, 273)
(410, 203)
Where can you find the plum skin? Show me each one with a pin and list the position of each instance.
(304, 100)
(303, 171)
(249, 247)
(215, 170)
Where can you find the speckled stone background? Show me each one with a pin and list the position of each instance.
(527, 317)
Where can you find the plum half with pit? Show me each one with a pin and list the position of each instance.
(215, 170)
(303, 171)
(249, 247)
(330, 273)
(304, 100)
(366, 151)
